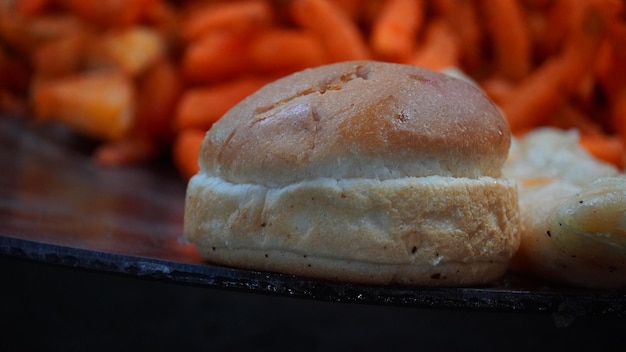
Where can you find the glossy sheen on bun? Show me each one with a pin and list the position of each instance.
(358, 171)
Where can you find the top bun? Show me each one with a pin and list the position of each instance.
(388, 121)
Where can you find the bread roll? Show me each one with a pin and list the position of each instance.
(364, 172)
(572, 212)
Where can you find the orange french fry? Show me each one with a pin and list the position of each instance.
(132, 49)
(16, 33)
(353, 8)
(53, 26)
(199, 108)
(158, 93)
(561, 17)
(536, 181)
(31, 7)
(510, 38)
(238, 16)
(442, 8)
(366, 13)
(496, 88)
(12, 104)
(99, 104)
(568, 117)
(110, 13)
(537, 4)
(394, 31)
(285, 50)
(528, 104)
(462, 16)
(606, 148)
(537, 28)
(186, 150)
(611, 75)
(125, 151)
(537, 97)
(165, 18)
(618, 114)
(59, 57)
(23, 34)
(15, 74)
(335, 29)
(440, 48)
(218, 55)
(610, 69)
(585, 41)
(15, 77)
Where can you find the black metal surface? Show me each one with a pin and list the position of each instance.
(59, 207)
(566, 302)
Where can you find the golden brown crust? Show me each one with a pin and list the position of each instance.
(358, 119)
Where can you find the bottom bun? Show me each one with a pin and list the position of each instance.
(427, 231)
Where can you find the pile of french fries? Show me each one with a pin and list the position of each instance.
(148, 77)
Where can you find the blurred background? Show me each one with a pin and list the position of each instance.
(144, 79)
